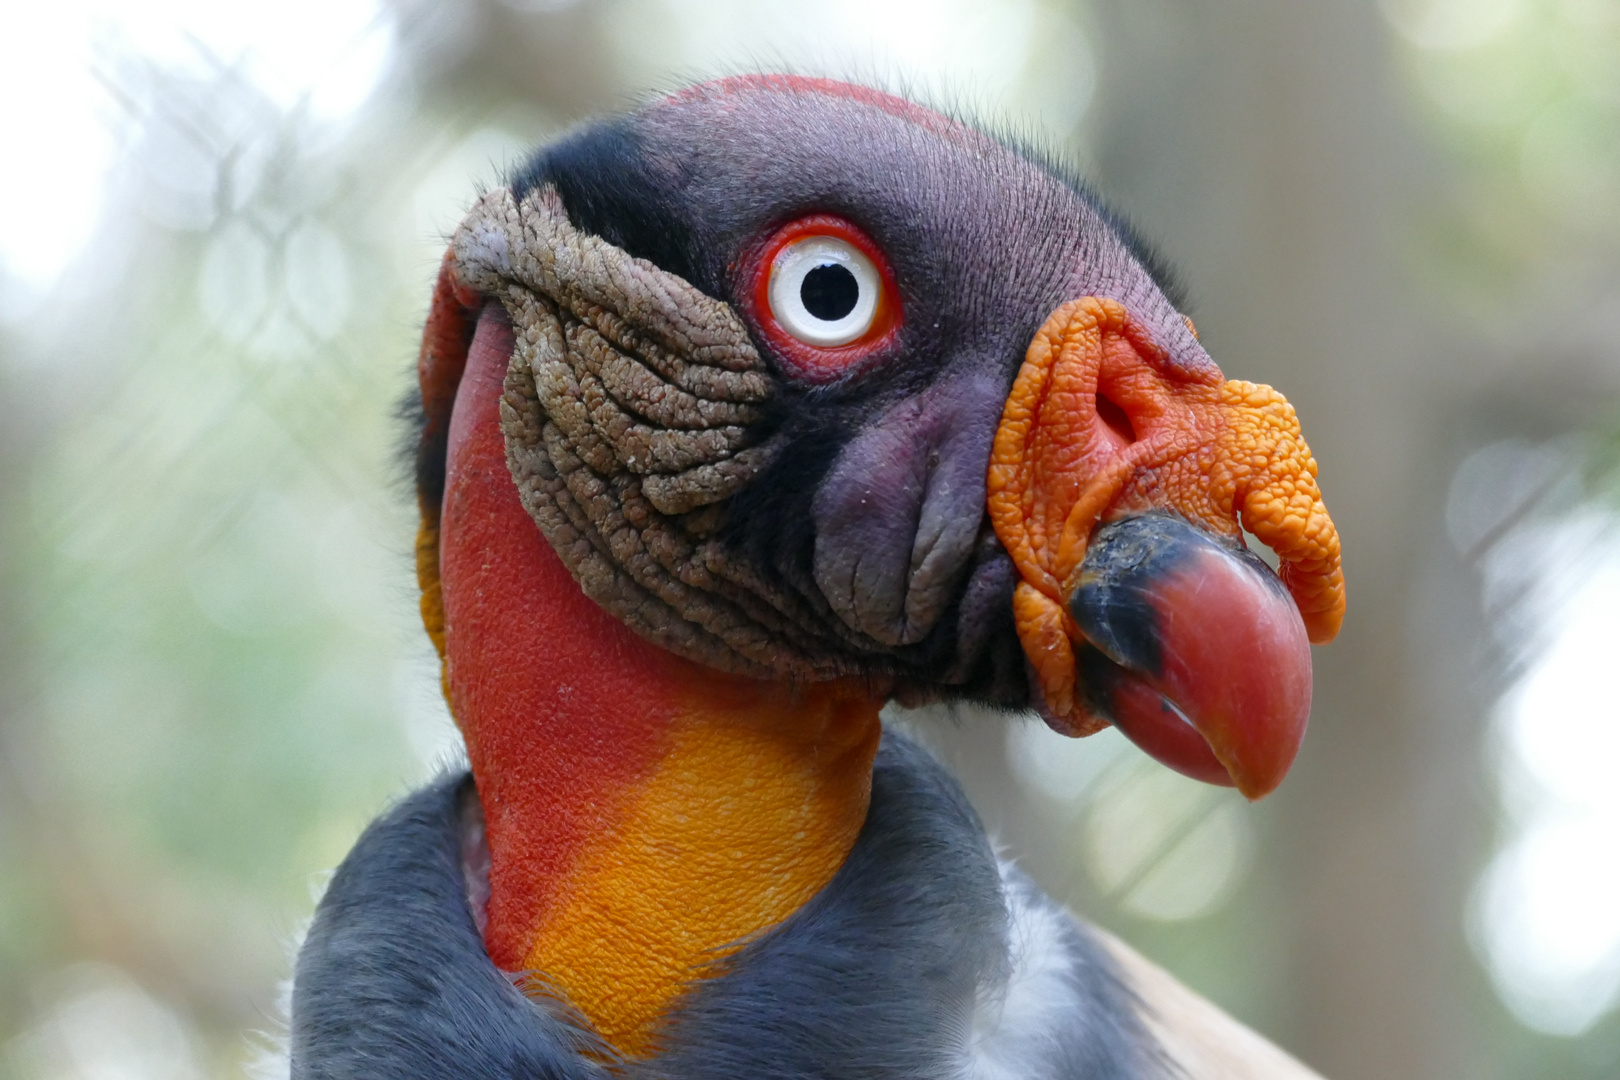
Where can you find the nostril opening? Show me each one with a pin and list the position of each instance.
(1111, 414)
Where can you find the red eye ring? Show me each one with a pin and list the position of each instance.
(811, 362)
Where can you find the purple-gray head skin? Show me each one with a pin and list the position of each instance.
(776, 503)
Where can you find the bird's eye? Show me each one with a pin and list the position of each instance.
(824, 291)
(824, 296)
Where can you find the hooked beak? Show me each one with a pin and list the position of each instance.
(1120, 484)
(1196, 651)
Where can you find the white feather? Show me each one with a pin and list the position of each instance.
(1011, 1036)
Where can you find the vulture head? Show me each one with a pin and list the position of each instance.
(781, 390)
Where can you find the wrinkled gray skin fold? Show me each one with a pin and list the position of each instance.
(907, 965)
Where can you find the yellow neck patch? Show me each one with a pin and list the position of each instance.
(743, 820)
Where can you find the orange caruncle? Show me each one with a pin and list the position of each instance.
(1099, 426)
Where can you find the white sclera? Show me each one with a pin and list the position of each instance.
(787, 280)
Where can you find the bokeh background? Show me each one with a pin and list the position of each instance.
(218, 227)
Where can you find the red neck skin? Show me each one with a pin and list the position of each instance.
(624, 853)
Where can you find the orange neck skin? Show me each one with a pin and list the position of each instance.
(644, 814)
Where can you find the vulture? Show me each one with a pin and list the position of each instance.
(743, 414)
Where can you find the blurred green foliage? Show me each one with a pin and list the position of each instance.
(222, 677)
(1520, 99)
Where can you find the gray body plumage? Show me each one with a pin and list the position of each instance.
(925, 957)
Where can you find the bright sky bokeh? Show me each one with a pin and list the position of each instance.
(1547, 909)
(324, 57)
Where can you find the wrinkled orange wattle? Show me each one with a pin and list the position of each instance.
(1100, 426)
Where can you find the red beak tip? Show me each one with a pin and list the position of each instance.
(1224, 691)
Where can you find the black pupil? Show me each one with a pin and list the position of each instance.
(829, 292)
